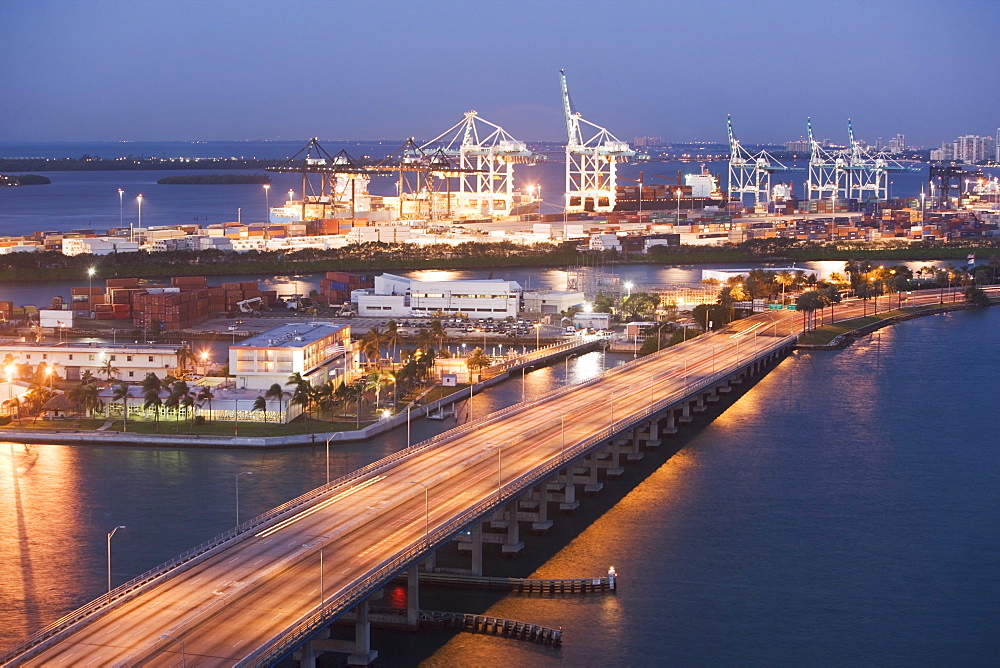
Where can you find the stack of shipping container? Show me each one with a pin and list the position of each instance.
(336, 287)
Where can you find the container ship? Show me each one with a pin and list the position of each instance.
(688, 191)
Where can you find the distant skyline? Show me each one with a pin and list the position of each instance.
(112, 70)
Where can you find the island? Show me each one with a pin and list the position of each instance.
(23, 180)
(215, 179)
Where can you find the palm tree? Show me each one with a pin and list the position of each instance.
(151, 399)
(302, 394)
(178, 395)
(391, 337)
(260, 404)
(784, 278)
(108, 369)
(477, 360)
(275, 392)
(185, 359)
(187, 401)
(205, 394)
(437, 333)
(371, 345)
(376, 380)
(84, 396)
(120, 393)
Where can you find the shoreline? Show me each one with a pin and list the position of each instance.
(197, 441)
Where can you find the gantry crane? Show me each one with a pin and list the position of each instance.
(591, 164)
(486, 155)
(868, 172)
(828, 170)
(749, 173)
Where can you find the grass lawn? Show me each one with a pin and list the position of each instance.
(823, 335)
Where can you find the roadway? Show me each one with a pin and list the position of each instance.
(226, 606)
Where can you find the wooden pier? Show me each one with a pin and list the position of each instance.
(567, 586)
(495, 626)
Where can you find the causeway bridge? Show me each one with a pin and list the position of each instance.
(269, 589)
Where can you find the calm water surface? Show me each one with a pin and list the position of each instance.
(842, 512)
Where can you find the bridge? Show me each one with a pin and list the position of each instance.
(268, 588)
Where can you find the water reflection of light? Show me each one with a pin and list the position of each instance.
(586, 366)
(434, 275)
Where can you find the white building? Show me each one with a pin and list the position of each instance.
(97, 245)
(319, 351)
(131, 362)
(400, 297)
(897, 144)
(552, 301)
(973, 148)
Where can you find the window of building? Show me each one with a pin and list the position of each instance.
(112, 357)
(28, 356)
(71, 356)
(45, 356)
(90, 357)
(131, 374)
(150, 358)
(128, 358)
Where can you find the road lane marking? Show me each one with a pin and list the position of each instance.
(315, 509)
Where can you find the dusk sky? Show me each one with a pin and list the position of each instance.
(212, 70)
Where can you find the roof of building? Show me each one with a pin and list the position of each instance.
(293, 335)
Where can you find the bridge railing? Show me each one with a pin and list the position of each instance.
(377, 576)
(125, 592)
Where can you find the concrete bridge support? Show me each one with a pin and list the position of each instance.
(413, 596)
(670, 423)
(699, 404)
(477, 548)
(543, 523)
(685, 413)
(592, 486)
(513, 545)
(650, 434)
(363, 654)
(565, 480)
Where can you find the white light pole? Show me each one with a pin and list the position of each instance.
(427, 513)
(183, 658)
(121, 212)
(90, 290)
(238, 494)
(538, 329)
(408, 407)
(139, 200)
(267, 203)
(628, 287)
(562, 450)
(678, 192)
(109, 554)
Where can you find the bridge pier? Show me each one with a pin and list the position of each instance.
(413, 596)
(685, 412)
(513, 545)
(699, 404)
(613, 460)
(712, 396)
(363, 654)
(671, 423)
(477, 548)
(591, 484)
(569, 502)
(651, 433)
(543, 523)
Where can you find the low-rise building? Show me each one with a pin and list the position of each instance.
(128, 362)
(319, 351)
(397, 296)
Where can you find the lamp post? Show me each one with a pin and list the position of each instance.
(112, 533)
(628, 286)
(678, 194)
(427, 513)
(562, 429)
(90, 289)
(566, 368)
(139, 200)
(328, 458)
(121, 212)
(238, 494)
(183, 659)
(538, 329)
(267, 203)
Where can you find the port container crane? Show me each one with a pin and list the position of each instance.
(591, 163)
(486, 155)
(828, 170)
(750, 173)
(869, 172)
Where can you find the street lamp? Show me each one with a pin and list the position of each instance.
(628, 286)
(139, 200)
(109, 554)
(328, 458)
(678, 195)
(183, 659)
(238, 494)
(427, 513)
(267, 204)
(90, 288)
(121, 212)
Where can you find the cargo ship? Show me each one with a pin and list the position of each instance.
(688, 191)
